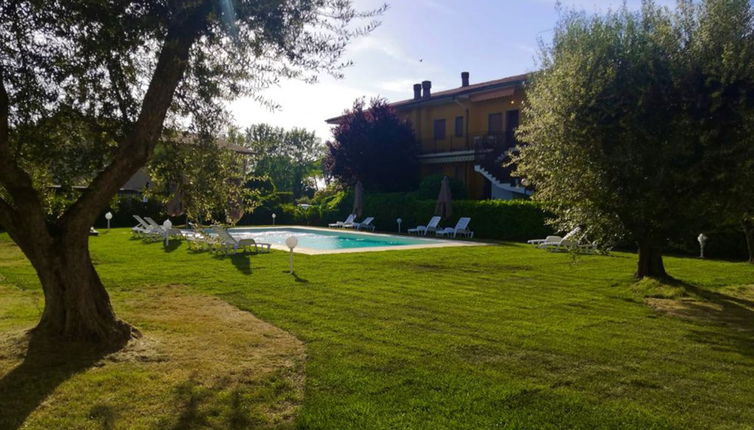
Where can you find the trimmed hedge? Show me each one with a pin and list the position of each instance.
(490, 219)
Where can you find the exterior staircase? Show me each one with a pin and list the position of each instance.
(490, 153)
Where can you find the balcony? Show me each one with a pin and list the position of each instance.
(449, 144)
(484, 142)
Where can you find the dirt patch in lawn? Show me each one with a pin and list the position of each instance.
(201, 363)
(733, 307)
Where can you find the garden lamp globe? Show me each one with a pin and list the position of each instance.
(291, 243)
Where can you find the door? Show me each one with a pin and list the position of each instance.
(495, 123)
(511, 124)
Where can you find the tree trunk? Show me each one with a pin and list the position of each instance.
(77, 307)
(748, 225)
(650, 262)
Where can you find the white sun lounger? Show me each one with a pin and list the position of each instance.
(341, 224)
(142, 229)
(547, 239)
(423, 229)
(569, 242)
(366, 224)
(228, 244)
(198, 238)
(461, 228)
(161, 232)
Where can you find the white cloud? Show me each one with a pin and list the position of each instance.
(301, 105)
(386, 47)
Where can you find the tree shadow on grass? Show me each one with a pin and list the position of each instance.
(194, 399)
(172, 245)
(46, 365)
(734, 313)
(242, 262)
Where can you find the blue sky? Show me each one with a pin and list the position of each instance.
(421, 40)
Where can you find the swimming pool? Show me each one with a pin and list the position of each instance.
(312, 240)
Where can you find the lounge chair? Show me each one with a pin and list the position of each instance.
(547, 239)
(228, 244)
(366, 224)
(461, 228)
(570, 242)
(143, 228)
(160, 232)
(351, 218)
(198, 238)
(423, 229)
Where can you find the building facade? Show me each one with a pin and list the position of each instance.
(466, 132)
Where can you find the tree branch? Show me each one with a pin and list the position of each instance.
(4, 109)
(136, 148)
(6, 215)
(14, 179)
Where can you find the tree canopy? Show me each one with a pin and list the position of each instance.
(87, 88)
(373, 145)
(291, 158)
(636, 122)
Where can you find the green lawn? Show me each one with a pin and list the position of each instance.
(502, 336)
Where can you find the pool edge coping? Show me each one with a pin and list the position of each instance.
(441, 243)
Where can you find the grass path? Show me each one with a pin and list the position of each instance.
(484, 337)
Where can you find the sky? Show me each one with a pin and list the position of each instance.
(420, 40)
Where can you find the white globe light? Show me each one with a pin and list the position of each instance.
(109, 216)
(167, 224)
(399, 220)
(291, 242)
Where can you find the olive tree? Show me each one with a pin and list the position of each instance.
(87, 88)
(635, 124)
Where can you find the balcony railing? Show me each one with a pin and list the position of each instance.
(449, 144)
(484, 142)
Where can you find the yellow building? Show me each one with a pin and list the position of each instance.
(464, 132)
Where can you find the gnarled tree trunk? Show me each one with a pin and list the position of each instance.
(748, 225)
(650, 261)
(77, 307)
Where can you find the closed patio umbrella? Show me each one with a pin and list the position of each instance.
(235, 206)
(444, 207)
(358, 199)
(235, 213)
(176, 205)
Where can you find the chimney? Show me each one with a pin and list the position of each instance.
(426, 87)
(464, 79)
(417, 91)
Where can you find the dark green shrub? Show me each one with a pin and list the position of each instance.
(285, 196)
(126, 206)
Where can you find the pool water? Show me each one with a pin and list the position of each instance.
(326, 240)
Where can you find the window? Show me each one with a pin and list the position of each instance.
(459, 126)
(439, 129)
(495, 123)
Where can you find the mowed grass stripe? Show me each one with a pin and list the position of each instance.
(486, 337)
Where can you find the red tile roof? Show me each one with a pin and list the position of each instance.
(455, 92)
